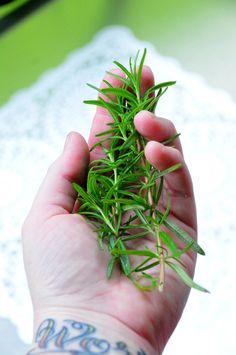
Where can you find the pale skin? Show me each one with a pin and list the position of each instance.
(66, 269)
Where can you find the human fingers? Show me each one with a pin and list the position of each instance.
(156, 128)
(56, 194)
(102, 117)
(178, 182)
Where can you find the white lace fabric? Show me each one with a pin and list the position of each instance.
(33, 126)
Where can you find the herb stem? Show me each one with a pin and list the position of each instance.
(162, 259)
(116, 208)
(156, 229)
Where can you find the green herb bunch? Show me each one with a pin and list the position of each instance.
(123, 189)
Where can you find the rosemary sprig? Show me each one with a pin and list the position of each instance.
(116, 196)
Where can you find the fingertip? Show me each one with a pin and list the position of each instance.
(141, 116)
(69, 137)
(74, 141)
(148, 72)
(139, 121)
(147, 79)
(161, 156)
(147, 125)
(151, 148)
(76, 155)
(148, 151)
(110, 78)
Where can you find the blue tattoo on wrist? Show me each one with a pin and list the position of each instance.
(80, 336)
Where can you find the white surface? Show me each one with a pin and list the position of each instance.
(33, 126)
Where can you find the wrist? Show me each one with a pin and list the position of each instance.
(76, 332)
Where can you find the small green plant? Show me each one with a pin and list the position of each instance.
(123, 189)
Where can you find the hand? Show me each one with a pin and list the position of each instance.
(66, 269)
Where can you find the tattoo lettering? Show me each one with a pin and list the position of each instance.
(72, 331)
(74, 338)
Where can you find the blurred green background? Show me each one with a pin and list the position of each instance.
(200, 34)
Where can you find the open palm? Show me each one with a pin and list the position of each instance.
(64, 265)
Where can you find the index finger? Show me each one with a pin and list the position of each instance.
(102, 117)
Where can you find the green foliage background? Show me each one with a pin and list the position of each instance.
(43, 39)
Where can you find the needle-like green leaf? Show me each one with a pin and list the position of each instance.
(185, 277)
(110, 266)
(182, 235)
(170, 243)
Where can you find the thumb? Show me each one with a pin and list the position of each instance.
(56, 194)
